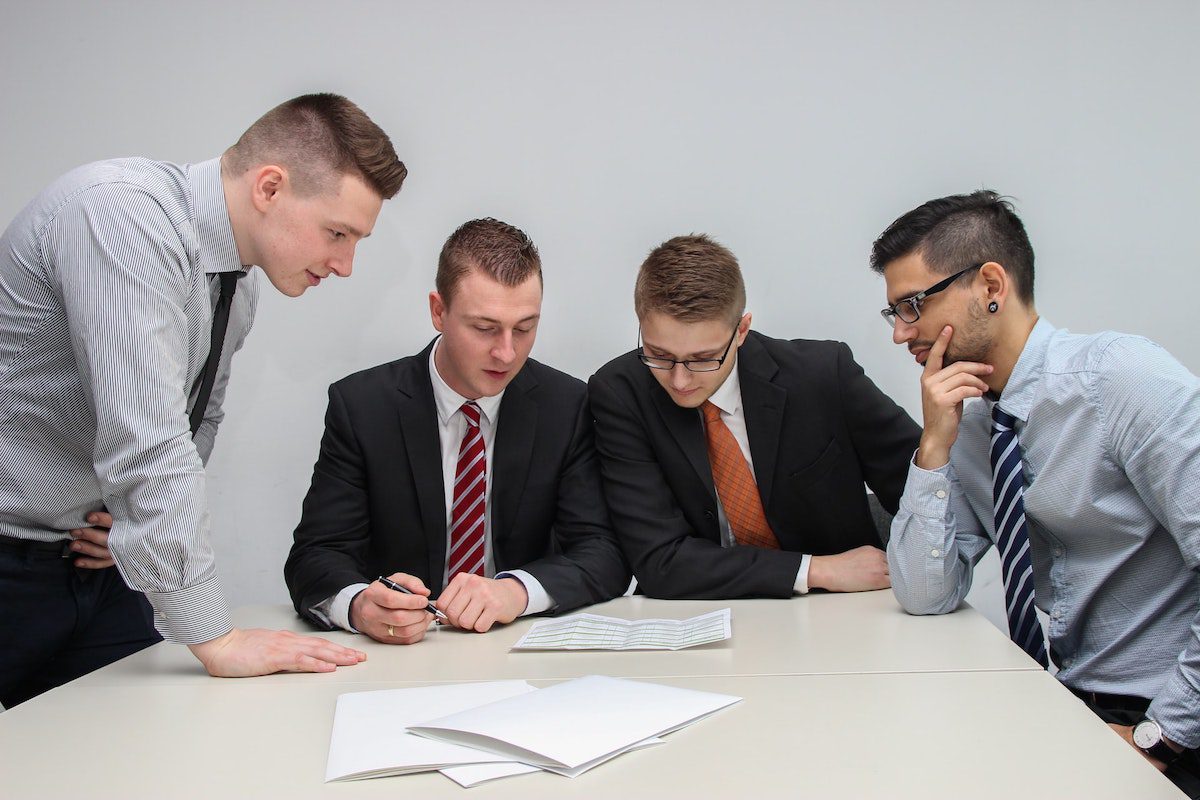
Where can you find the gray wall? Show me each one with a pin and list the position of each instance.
(793, 132)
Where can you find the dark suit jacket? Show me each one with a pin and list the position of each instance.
(377, 504)
(818, 429)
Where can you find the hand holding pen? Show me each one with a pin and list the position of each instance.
(393, 610)
(430, 607)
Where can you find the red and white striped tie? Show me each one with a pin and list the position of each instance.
(470, 499)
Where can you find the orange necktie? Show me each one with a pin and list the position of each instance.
(735, 484)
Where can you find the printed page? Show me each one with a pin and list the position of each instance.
(594, 632)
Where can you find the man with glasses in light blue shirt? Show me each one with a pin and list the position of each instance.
(1076, 455)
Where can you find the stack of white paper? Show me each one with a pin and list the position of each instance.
(594, 632)
(369, 738)
(573, 726)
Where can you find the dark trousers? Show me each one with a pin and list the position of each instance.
(1184, 771)
(58, 622)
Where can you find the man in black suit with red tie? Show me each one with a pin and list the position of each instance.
(734, 463)
(466, 472)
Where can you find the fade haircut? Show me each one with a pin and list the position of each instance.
(319, 138)
(499, 250)
(952, 233)
(692, 279)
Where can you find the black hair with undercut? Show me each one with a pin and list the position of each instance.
(955, 232)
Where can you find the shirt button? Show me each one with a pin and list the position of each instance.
(940, 494)
(1057, 614)
(935, 552)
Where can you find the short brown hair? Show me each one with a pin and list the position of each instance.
(691, 278)
(319, 138)
(499, 250)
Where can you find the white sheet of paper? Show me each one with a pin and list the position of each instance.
(369, 738)
(594, 632)
(475, 774)
(575, 725)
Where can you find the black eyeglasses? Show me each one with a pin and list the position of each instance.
(694, 365)
(909, 309)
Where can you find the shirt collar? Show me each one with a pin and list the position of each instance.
(1026, 376)
(728, 396)
(449, 401)
(210, 216)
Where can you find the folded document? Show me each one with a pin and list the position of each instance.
(573, 726)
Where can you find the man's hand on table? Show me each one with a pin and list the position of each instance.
(862, 569)
(389, 616)
(475, 603)
(245, 652)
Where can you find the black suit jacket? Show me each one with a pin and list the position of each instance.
(377, 503)
(818, 429)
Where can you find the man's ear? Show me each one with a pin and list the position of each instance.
(269, 181)
(996, 283)
(437, 311)
(743, 328)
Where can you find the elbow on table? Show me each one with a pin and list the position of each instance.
(921, 603)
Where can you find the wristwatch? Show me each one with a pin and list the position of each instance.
(1149, 739)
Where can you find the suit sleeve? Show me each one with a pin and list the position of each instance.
(329, 551)
(668, 558)
(589, 566)
(884, 436)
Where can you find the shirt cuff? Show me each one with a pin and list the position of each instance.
(1175, 708)
(193, 615)
(927, 492)
(339, 607)
(801, 584)
(539, 599)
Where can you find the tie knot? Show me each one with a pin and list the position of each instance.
(471, 412)
(711, 413)
(1002, 420)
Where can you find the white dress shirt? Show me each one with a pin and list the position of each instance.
(451, 426)
(728, 398)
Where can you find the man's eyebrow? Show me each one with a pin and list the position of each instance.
(701, 355)
(903, 297)
(493, 321)
(350, 229)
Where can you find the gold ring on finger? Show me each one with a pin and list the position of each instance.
(391, 631)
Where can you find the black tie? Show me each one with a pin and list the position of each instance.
(220, 324)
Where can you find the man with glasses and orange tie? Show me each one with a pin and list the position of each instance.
(1079, 464)
(734, 463)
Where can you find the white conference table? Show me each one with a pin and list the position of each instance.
(815, 635)
(952, 723)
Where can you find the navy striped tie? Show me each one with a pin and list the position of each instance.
(1012, 537)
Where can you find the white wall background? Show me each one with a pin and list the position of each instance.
(793, 132)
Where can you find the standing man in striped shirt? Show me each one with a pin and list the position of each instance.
(120, 309)
(1079, 463)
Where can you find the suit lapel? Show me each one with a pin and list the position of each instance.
(419, 422)
(683, 424)
(762, 405)
(515, 432)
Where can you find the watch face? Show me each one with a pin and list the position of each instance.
(1146, 734)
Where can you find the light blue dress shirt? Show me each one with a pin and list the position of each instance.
(1109, 427)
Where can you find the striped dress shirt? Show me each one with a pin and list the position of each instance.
(1109, 430)
(107, 285)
